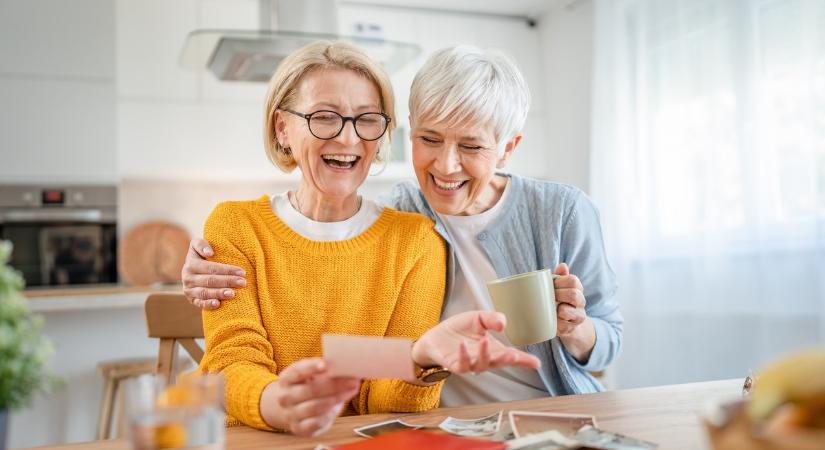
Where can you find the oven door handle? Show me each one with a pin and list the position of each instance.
(51, 215)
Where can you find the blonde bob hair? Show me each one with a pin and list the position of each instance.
(467, 85)
(283, 88)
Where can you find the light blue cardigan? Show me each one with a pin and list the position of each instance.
(543, 224)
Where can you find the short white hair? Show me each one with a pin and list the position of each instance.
(466, 85)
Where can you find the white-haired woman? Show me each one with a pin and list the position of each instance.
(467, 110)
(319, 259)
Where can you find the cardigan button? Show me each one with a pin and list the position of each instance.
(482, 236)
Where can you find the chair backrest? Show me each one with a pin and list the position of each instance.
(172, 319)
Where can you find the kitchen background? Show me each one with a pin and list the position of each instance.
(92, 93)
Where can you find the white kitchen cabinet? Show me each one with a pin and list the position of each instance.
(150, 35)
(57, 130)
(57, 90)
(190, 140)
(56, 39)
(175, 122)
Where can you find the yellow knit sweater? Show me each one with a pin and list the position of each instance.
(388, 281)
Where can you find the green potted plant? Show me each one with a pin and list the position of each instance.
(24, 353)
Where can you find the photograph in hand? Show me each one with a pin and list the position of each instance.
(368, 357)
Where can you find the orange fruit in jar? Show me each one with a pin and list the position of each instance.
(175, 396)
(170, 435)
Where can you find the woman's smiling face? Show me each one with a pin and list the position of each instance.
(456, 166)
(336, 167)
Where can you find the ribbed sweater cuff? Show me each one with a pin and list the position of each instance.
(600, 355)
(244, 388)
(399, 396)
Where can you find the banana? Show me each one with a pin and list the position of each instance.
(798, 379)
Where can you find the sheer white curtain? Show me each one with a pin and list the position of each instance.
(709, 168)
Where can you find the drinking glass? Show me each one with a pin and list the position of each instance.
(186, 415)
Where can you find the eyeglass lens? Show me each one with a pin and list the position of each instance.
(328, 124)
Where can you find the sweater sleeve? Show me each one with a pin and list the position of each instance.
(583, 250)
(417, 309)
(236, 341)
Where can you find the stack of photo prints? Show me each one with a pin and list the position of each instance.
(520, 430)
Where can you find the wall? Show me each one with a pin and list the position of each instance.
(57, 88)
(178, 123)
(189, 202)
(566, 54)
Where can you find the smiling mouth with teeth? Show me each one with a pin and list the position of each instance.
(450, 186)
(341, 161)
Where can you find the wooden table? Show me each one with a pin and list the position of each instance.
(666, 415)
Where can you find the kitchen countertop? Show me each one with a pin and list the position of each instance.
(92, 297)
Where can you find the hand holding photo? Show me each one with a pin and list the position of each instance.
(368, 357)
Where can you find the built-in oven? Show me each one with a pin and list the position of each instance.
(62, 236)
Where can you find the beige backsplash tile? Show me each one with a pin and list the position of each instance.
(189, 202)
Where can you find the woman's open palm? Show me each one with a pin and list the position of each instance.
(462, 344)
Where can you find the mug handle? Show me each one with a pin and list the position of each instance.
(552, 280)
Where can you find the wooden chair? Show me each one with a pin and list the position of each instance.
(172, 319)
(114, 372)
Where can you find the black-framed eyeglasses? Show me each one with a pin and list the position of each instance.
(325, 124)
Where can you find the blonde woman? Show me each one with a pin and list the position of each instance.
(321, 259)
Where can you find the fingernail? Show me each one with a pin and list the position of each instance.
(240, 282)
(228, 293)
(214, 303)
(207, 251)
(240, 272)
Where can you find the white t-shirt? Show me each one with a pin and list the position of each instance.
(473, 271)
(326, 231)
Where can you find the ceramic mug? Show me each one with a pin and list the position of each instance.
(529, 302)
